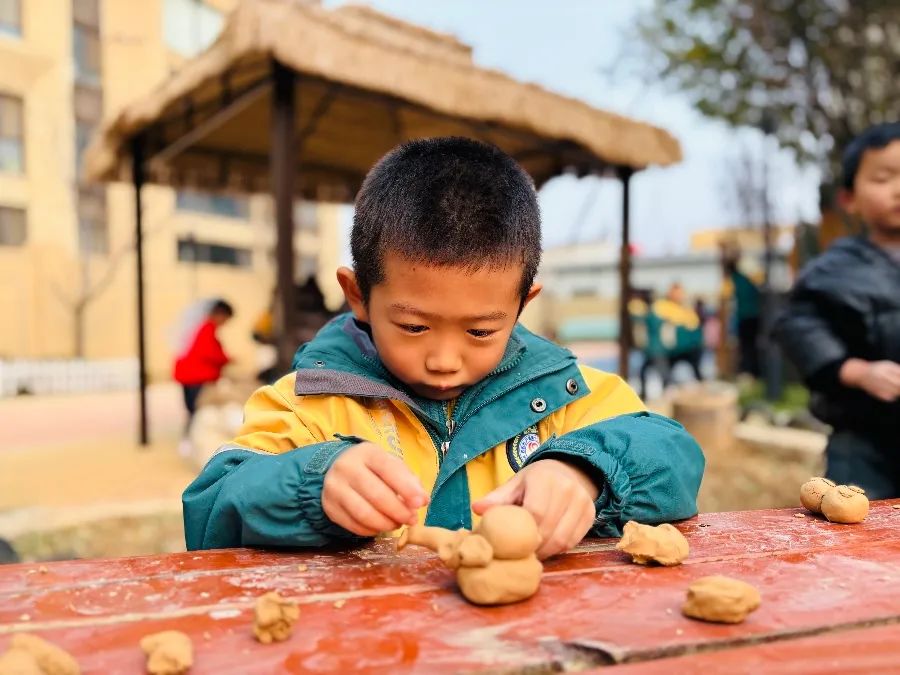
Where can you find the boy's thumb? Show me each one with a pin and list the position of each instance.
(508, 493)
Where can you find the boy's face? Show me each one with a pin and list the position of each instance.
(876, 191)
(439, 329)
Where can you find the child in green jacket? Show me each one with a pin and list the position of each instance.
(429, 402)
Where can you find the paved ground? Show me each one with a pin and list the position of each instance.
(82, 449)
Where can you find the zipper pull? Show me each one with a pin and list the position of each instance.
(445, 446)
(451, 426)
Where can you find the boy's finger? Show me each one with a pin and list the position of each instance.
(348, 522)
(509, 493)
(545, 503)
(370, 487)
(397, 476)
(571, 527)
(365, 514)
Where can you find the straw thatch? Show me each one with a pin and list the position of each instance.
(365, 82)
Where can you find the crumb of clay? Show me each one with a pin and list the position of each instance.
(812, 492)
(669, 610)
(169, 652)
(274, 618)
(47, 657)
(845, 504)
(720, 600)
(339, 603)
(24, 617)
(43, 570)
(302, 568)
(435, 607)
(207, 635)
(662, 544)
(896, 506)
(679, 632)
(368, 564)
(799, 515)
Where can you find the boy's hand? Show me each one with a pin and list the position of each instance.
(368, 491)
(559, 496)
(880, 379)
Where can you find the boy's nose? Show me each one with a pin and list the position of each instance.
(445, 362)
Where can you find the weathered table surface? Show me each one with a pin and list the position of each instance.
(831, 603)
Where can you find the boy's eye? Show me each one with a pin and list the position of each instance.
(412, 328)
(481, 333)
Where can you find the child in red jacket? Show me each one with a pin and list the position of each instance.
(203, 359)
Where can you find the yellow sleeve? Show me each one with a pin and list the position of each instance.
(273, 423)
(610, 396)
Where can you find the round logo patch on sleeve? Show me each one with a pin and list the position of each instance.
(521, 446)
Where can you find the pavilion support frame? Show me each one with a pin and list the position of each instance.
(137, 177)
(624, 174)
(282, 166)
(286, 144)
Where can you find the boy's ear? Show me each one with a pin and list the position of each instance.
(347, 279)
(533, 292)
(847, 201)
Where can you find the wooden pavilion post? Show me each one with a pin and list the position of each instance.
(137, 177)
(624, 173)
(282, 164)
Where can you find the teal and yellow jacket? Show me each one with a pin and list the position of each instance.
(265, 488)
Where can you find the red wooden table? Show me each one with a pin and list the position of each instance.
(831, 603)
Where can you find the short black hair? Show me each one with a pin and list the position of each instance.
(222, 307)
(874, 138)
(447, 201)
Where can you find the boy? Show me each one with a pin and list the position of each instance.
(429, 401)
(842, 325)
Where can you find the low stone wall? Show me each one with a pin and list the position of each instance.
(99, 531)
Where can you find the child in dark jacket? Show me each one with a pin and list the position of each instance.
(842, 324)
(428, 401)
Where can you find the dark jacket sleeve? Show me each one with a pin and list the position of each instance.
(649, 467)
(806, 330)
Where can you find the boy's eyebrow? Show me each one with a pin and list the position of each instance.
(409, 309)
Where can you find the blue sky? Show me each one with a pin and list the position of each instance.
(566, 46)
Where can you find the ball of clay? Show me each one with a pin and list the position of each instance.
(845, 504)
(720, 600)
(662, 544)
(812, 492)
(501, 581)
(169, 652)
(19, 662)
(511, 532)
(50, 659)
(275, 618)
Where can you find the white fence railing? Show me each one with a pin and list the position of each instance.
(66, 376)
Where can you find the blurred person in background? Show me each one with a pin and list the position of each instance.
(747, 310)
(200, 359)
(842, 325)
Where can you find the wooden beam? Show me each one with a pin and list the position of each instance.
(137, 177)
(283, 176)
(625, 174)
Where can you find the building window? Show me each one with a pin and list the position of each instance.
(12, 226)
(306, 215)
(86, 48)
(191, 250)
(11, 18)
(11, 151)
(216, 205)
(190, 26)
(306, 267)
(83, 132)
(93, 233)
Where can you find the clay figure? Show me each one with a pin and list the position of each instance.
(496, 564)
(845, 504)
(812, 492)
(29, 654)
(720, 600)
(274, 618)
(662, 544)
(169, 652)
